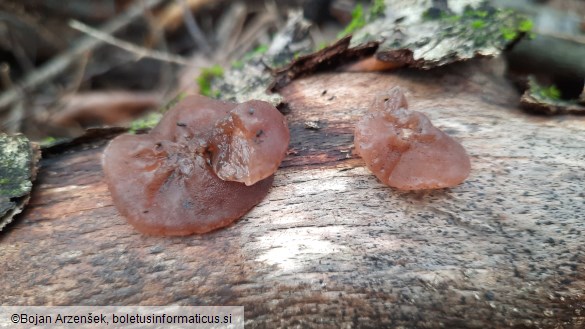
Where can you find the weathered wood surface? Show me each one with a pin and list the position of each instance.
(330, 246)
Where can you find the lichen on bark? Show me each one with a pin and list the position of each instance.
(420, 34)
(18, 162)
(425, 35)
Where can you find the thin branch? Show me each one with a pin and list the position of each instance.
(141, 52)
(194, 30)
(61, 62)
(5, 80)
(254, 32)
(157, 34)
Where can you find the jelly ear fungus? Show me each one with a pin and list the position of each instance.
(403, 148)
(206, 164)
(247, 145)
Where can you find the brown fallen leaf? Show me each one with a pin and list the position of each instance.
(99, 108)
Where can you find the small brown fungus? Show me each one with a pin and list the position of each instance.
(188, 178)
(248, 146)
(403, 148)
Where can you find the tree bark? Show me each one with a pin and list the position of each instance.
(330, 246)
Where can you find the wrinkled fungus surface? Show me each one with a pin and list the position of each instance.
(404, 150)
(186, 175)
(246, 142)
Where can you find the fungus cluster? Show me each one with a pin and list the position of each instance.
(403, 148)
(205, 165)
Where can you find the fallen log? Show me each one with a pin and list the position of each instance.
(330, 246)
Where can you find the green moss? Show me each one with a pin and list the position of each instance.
(544, 93)
(552, 92)
(485, 21)
(481, 13)
(261, 49)
(151, 119)
(237, 64)
(476, 16)
(48, 141)
(321, 46)
(298, 54)
(148, 121)
(377, 9)
(471, 12)
(437, 14)
(478, 24)
(525, 25)
(521, 25)
(163, 109)
(358, 20)
(204, 79)
(508, 33)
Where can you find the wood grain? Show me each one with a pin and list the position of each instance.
(330, 246)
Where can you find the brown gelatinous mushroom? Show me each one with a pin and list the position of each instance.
(164, 182)
(246, 142)
(404, 150)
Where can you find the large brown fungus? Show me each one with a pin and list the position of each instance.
(186, 175)
(403, 148)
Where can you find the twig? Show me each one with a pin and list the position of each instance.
(141, 52)
(5, 75)
(230, 28)
(22, 58)
(58, 64)
(13, 121)
(78, 79)
(194, 30)
(169, 18)
(252, 34)
(157, 34)
(563, 36)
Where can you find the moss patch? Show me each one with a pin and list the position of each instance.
(205, 78)
(256, 52)
(547, 100)
(359, 17)
(145, 123)
(378, 8)
(487, 23)
(544, 93)
(358, 20)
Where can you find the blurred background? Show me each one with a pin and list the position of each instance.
(69, 65)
